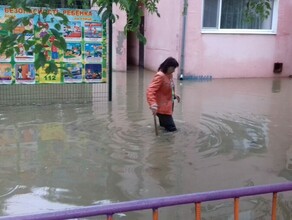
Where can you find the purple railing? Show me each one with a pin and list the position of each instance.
(156, 203)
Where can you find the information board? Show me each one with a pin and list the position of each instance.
(85, 56)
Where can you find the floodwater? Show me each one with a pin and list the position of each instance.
(231, 133)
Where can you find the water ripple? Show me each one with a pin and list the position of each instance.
(244, 134)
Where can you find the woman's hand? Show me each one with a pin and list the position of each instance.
(154, 108)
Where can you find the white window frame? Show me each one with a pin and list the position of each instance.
(217, 30)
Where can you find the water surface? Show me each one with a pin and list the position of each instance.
(231, 133)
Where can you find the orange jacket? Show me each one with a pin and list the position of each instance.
(159, 93)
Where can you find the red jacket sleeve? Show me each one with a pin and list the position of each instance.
(153, 88)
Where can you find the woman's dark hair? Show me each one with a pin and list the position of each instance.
(169, 62)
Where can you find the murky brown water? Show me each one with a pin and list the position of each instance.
(232, 133)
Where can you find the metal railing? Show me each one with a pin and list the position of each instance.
(41, 94)
(156, 203)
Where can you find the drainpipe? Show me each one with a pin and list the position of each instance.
(110, 53)
(182, 58)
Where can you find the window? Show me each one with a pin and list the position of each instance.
(229, 16)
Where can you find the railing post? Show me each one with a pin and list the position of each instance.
(155, 214)
(236, 208)
(156, 203)
(274, 206)
(198, 210)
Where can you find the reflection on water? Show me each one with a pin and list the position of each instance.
(276, 85)
(232, 133)
(242, 136)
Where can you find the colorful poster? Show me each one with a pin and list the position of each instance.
(73, 52)
(93, 31)
(93, 52)
(75, 75)
(25, 73)
(5, 73)
(93, 73)
(85, 56)
(23, 55)
(72, 31)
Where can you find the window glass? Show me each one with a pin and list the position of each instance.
(210, 13)
(231, 15)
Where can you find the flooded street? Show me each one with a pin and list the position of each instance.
(231, 133)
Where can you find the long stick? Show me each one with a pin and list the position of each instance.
(155, 125)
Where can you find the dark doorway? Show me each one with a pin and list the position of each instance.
(132, 52)
(135, 48)
(141, 45)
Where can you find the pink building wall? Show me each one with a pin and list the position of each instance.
(219, 55)
(163, 34)
(119, 43)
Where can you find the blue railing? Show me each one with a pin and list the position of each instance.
(156, 203)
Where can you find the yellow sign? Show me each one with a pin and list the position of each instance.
(49, 77)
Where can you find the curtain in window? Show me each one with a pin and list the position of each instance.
(231, 15)
(211, 13)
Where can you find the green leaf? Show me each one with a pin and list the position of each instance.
(133, 8)
(105, 15)
(40, 60)
(64, 20)
(65, 70)
(45, 39)
(268, 5)
(141, 37)
(112, 18)
(9, 52)
(55, 32)
(21, 38)
(27, 32)
(30, 43)
(57, 44)
(100, 11)
(125, 4)
(63, 43)
(39, 48)
(45, 14)
(52, 68)
(57, 26)
(26, 46)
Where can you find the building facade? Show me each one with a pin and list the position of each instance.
(211, 37)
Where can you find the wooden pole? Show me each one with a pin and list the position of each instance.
(155, 125)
